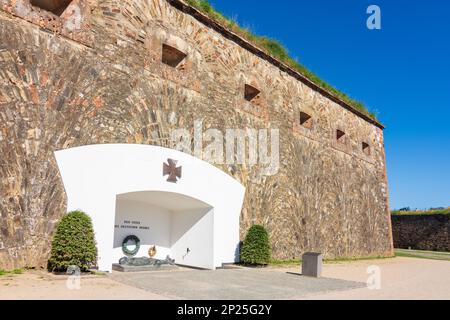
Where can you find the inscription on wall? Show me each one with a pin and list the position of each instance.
(131, 224)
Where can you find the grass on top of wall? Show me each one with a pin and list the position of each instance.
(407, 212)
(277, 50)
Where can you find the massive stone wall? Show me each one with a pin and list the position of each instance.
(103, 82)
(422, 232)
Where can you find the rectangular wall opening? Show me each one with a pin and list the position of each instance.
(306, 120)
(340, 136)
(366, 148)
(251, 93)
(172, 56)
(56, 7)
(176, 226)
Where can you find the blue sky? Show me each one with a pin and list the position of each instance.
(402, 72)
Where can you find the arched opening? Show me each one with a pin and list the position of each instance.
(106, 182)
(178, 226)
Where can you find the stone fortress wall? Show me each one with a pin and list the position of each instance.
(95, 74)
(429, 232)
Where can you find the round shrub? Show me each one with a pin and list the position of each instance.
(73, 243)
(256, 248)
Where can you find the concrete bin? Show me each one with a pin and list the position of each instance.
(312, 264)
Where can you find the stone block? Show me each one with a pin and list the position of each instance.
(125, 268)
(312, 264)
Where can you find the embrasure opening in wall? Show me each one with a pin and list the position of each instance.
(56, 7)
(172, 56)
(306, 120)
(340, 136)
(251, 93)
(366, 148)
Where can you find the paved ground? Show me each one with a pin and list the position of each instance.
(401, 278)
(38, 285)
(234, 284)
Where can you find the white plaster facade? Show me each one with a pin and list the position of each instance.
(122, 184)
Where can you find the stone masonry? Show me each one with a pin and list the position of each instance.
(94, 74)
(422, 232)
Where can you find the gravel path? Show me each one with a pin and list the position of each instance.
(401, 278)
(38, 285)
(234, 284)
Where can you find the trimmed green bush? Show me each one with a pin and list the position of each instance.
(73, 243)
(256, 247)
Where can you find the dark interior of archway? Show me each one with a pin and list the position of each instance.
(55, 6)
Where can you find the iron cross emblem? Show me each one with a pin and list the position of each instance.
(172, 170)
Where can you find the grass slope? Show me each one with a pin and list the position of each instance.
(275, 49)
(423, 212)
(433, 255)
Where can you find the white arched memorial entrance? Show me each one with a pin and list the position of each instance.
(194, 217)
